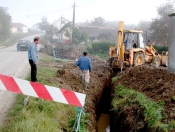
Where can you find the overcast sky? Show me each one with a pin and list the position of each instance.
(30, 12)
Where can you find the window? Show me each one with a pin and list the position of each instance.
(141, 43)
(128, 40)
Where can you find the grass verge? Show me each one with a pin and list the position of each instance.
(153, 112)
(37, 116)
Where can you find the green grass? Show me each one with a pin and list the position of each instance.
(152, 110)
(15, 37)
(37, 117)
(47, 59)
(114, 79)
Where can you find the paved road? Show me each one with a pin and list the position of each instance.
(14, 64)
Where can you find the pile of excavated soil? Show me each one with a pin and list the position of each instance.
(68, 77)
(68, 52)
(156, 83)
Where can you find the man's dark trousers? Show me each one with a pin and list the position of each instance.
(33, 71)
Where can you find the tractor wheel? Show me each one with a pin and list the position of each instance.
(156, 61)
(139, 59)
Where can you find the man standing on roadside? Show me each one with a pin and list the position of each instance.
(33, 58)
(85, 65)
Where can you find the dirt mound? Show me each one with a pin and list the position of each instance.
(156, 83)
(68, 52)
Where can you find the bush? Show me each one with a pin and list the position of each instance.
(159, 49)
(101, 47)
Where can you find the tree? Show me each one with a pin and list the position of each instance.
(44, 24)
(160, 25)
(79, 36)
(67, 33)
(109, 34)
(5, 24)
(99, 21)
(50, 31)
(145, 27)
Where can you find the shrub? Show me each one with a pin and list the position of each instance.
(101, 47)
(159, 49)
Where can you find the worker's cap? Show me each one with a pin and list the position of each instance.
(36, 38)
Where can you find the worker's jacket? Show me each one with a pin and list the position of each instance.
(84, 63)
(33, 53)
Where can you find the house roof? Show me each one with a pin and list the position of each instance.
(60, 19)
(60, 23)
(95, 31)
(18, 25)
(133, 31)
(65, 26)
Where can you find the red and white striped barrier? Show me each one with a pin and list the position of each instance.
(41, 91)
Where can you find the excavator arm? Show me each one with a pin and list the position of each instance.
(120, 45)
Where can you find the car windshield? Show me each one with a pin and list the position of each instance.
(23, 42)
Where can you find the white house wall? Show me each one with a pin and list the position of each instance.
(58, 23)
(13, 30)
(24, 29)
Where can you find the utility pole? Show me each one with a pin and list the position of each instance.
(61, 21)
(73, 26)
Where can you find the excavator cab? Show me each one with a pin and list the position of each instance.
(133, 39)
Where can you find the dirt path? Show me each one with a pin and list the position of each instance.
(14, 64)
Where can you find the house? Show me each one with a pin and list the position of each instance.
(65, 34)
(14, 30)
(21, 28)
(95, 32)
(35, 28)
(64, 31)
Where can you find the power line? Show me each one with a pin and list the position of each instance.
(50, 12)
(46, 12)
(58, 10)
(87, 3)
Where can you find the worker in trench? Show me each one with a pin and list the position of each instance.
(85, 66)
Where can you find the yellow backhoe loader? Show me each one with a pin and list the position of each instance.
(131, 50)
(152, 56)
